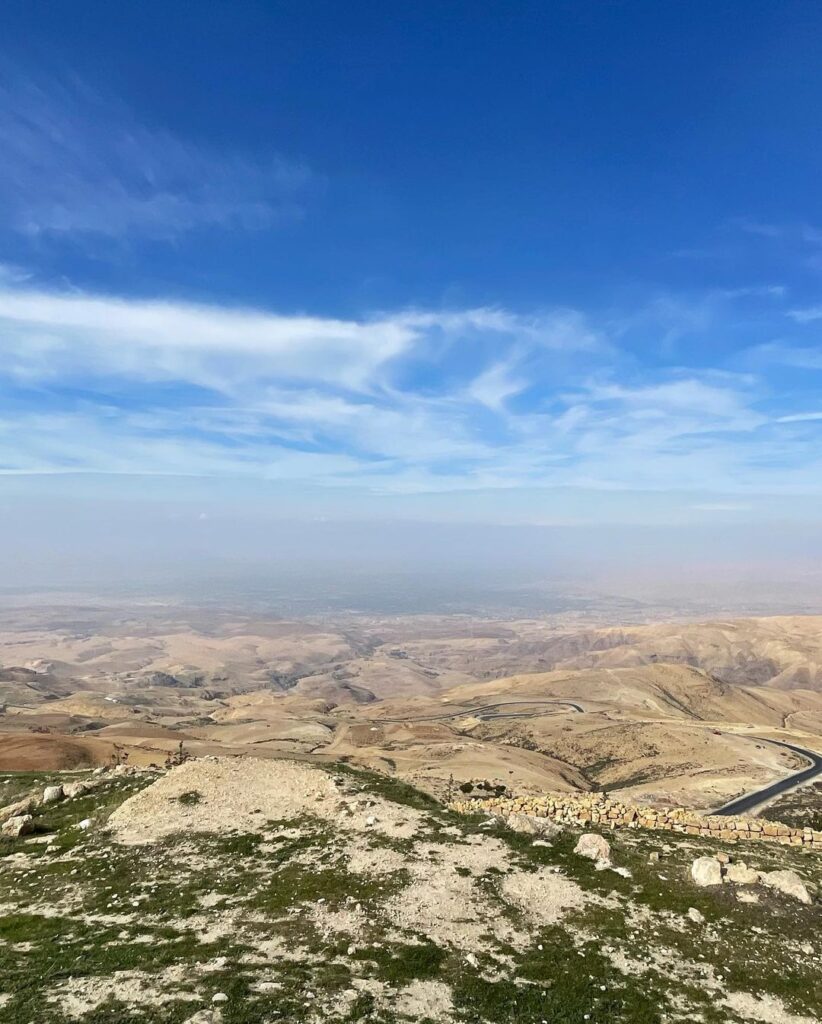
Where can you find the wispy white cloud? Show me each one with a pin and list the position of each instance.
(800, 417)
(712, 405)
(60, 336)
(497, 383)
(793, 231)
(403, 402)
(807, 315)
(805, 357)
(57, 336)
(75, 163)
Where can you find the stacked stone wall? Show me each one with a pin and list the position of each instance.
(596, 809)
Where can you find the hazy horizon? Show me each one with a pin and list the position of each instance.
(254, 558)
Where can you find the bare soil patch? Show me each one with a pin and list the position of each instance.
(242, 794)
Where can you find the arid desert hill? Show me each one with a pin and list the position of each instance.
(656, 690)
(665, 732)
(784, 652)
(359, 657)
(672, 712)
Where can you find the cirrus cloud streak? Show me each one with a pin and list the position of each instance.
(408, 401)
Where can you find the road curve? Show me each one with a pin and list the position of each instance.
(480, 712)
(741, 805)
(746, 803)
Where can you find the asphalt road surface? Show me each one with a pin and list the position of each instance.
(481, 713)
(743, 804)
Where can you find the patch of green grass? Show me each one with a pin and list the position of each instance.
(401, 963)
(60, 948)
(294, 884)
(801, 808)
(60, 818)
(15, 785)
(389, 788)
(113, 1011)
(558, 985)
(239, 845)
(363, 1008)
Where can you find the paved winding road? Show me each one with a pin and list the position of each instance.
(741, 805)
(745, 803)
(481, 712)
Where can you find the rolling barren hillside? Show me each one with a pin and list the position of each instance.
(782, 652)
(668, 712)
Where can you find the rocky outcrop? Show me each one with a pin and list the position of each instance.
(741, 874)
(597, 809)
(523, 823)
(718, 869)
(74, 789)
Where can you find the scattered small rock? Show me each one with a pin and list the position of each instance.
(695, 916)
(219, 998)
(205, 1017)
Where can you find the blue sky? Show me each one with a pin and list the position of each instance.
(532, 262)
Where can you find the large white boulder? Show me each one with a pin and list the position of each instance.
(787, 882)
(741, 874)
(594, 847)
(51, 794)
(73, 789)
(24, 806)
(19, 825)
(706, 871)
(522, 823)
